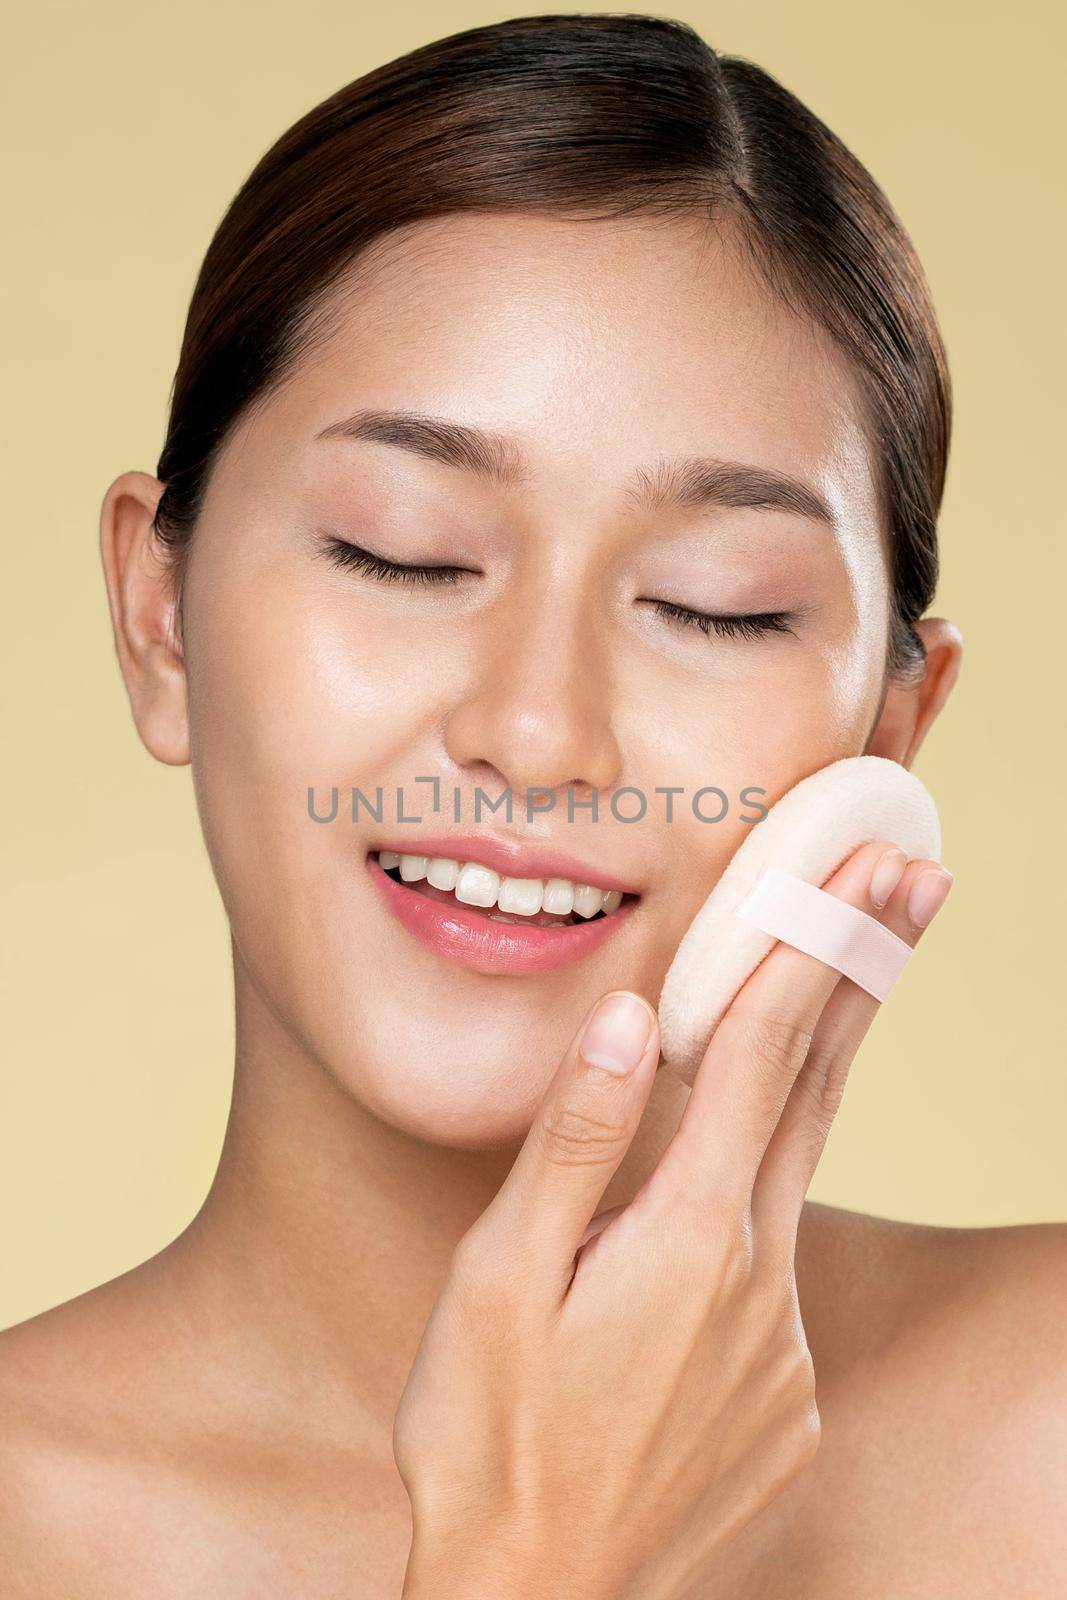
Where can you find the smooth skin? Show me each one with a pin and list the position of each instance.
(219, 1421)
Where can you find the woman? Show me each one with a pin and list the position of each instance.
(561, 409)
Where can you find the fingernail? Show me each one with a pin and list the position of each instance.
(616, 1034)
(928, 894)
(886, 875)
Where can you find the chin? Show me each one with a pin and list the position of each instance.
(438, 1100)
(458, 1086)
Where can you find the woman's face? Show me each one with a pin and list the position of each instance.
(612, 360)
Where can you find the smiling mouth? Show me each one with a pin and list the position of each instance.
(526, 902)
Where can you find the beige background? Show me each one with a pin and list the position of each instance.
(128, 128)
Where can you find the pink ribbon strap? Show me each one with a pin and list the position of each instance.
(800, 914)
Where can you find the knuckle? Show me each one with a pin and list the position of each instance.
(801, 1373)
(737, 1249)
(800, 1429)
(775, 1277)
(778, 1044)
(571, 1135)
(477, 1267)
(794, 1445)
(789, 1366)
(796, 1384)
(821, 1086)
(806, 1434)
(483, 1296)
(465, 1267)
(733, 1278)
(711, 1259)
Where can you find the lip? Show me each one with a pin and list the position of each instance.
(510, 860)
(463, 935)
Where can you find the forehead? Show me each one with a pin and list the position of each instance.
(621, 340)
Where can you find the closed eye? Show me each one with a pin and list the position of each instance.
(344, 554)
(747, 625)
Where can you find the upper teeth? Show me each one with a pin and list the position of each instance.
(476, 885)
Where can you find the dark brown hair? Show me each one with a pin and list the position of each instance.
(598, 116)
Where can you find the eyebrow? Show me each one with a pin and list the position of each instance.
(691, 482)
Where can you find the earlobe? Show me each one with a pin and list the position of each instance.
(909, 709)
(142, 599)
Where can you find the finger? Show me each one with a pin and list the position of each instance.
(798, 1141)
(752, 1062)
(599, 1223)
(586, 1244)
(584, 1126)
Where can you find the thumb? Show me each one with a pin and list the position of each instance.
(583, 1128)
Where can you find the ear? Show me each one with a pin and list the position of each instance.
(143, 601)
(908, 709)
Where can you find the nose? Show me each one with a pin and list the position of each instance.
(537, 712)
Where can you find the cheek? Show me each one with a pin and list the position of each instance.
(294, 686)
(767, 716)
(799, 703)
(303, 688)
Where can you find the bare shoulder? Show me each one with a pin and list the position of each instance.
(65, 1369)
(941, 1355)
(995, 1318)
(142, 1452)
(43, 1459)
(996, 1296)
(74, 1392)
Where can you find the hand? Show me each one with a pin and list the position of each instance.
(598, 1407)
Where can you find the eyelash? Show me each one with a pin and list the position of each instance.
(751, 625)
(343, 554)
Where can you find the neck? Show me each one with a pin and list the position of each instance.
(323, 1243)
